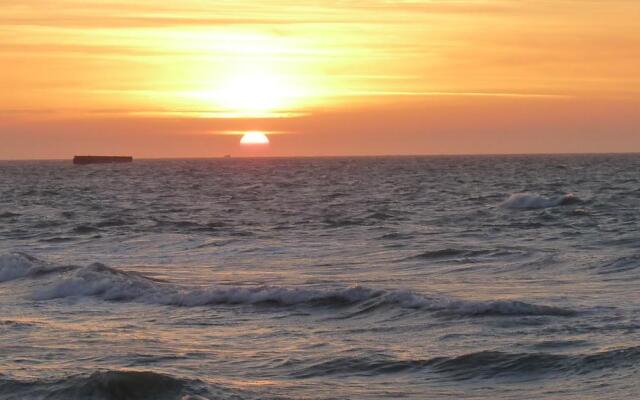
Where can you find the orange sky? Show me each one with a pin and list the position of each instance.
(334, 77)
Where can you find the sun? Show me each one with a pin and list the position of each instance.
(254, 137)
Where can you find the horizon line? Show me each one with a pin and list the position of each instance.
(224, 156)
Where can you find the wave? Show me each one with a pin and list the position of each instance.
(501, 308)
(444, 253)
(113, 222)
(449, 254)
(85, 229)
(492, 364)
(9, 214)
(396, 236)
(372, 365)
(619, 266)
(57, 239)
(475, 365)
(188, 226)
(20, 265)
(100, 281)
(533, 201)
(107, 385)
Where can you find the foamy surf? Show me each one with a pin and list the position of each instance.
(110, 284)
(534, 201)
(20, 265)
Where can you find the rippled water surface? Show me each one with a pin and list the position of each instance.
(341, 278)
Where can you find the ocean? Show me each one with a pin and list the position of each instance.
(443, 277)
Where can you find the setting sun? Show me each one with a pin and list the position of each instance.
(254, 137)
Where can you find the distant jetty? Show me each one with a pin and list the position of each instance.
(101, 159)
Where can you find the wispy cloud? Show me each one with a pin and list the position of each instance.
(142, 54)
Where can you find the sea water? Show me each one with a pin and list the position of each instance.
(498, 277)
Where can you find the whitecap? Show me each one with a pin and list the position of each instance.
(533, 201)
(100, 281)
(20, 265)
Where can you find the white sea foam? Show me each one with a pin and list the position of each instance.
(532, 201)
(100, 281)
(109, 284)
(20, 265)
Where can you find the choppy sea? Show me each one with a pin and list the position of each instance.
(466, 277)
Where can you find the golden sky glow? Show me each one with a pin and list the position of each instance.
(525, 75)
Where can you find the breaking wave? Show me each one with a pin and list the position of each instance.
(20, 265)
(110, 284)
(107, 385)
(533, 201)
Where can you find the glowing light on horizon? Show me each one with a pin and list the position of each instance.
(249, 79)
(254, 137)
(255, 93)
